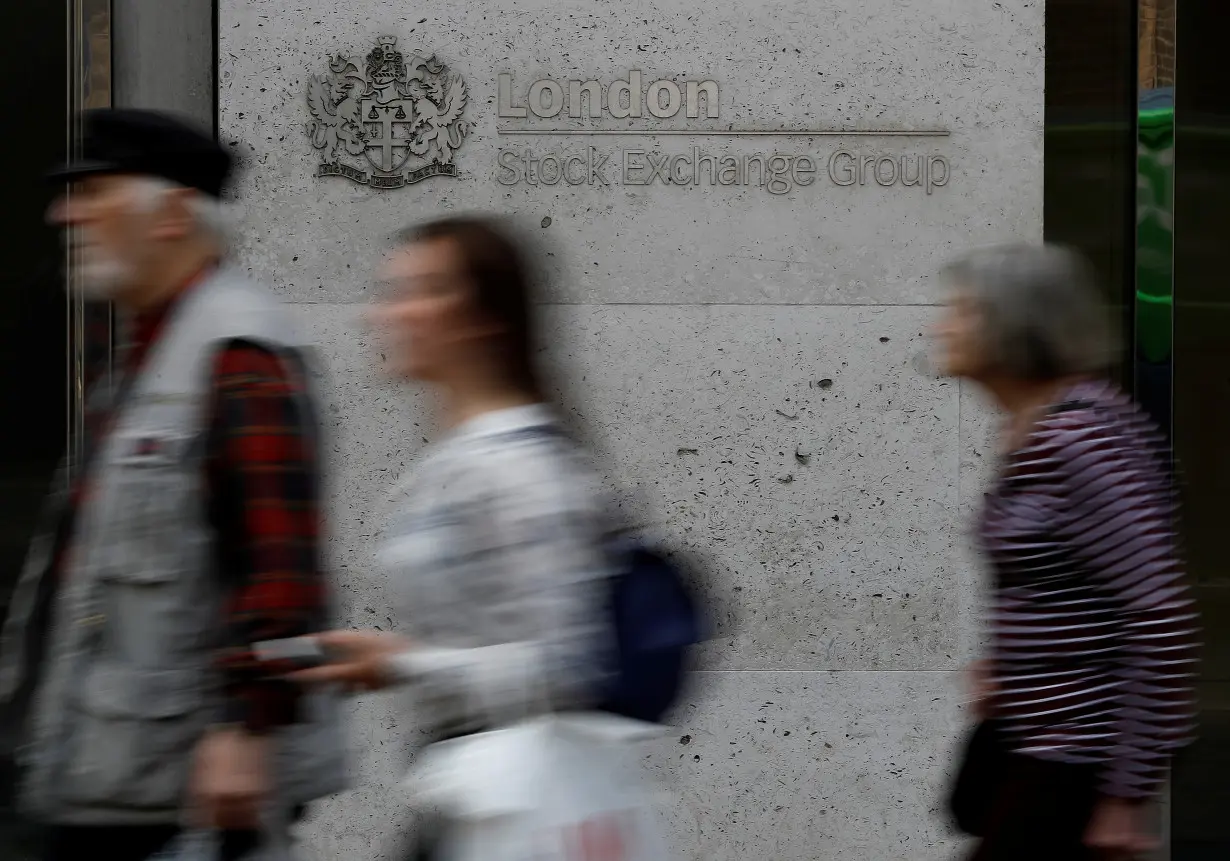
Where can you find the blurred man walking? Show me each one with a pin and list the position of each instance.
(189, 533)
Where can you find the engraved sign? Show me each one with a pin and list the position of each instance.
(777, 173)
(626, 106)
(394, 121)
(624, 98)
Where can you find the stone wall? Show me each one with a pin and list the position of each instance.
(750, 366)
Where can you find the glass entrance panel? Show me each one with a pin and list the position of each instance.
(52, 345)
(1201, 794)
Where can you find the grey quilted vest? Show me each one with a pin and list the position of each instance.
(129, 685)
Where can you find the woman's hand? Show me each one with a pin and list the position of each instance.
(358, 660)
(981, 686)
(1117, 830)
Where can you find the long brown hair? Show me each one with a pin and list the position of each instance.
(501, 283)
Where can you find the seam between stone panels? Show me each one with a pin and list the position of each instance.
(830, 672)
(682, 304)
(749, 304)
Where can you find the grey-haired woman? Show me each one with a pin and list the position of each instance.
(1086, 692)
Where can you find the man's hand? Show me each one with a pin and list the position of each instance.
(1117, 831)
(230, 779)
(358, 660)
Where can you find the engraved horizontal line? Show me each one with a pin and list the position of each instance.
(803, 133)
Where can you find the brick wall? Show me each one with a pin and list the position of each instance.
(1157, 43)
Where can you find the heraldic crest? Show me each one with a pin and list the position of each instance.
(395, 121)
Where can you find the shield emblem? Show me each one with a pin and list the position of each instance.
(388, 132)
(390, 112)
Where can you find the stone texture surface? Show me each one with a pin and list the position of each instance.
(979, 426)
(750, 370)
(803, 452)
(800, 766)
(972, 67)
(792, 766)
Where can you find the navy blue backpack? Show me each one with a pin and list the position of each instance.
(656, 621)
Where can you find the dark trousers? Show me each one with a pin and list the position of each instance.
(138, 842)
(1038, 811)
(112, 842)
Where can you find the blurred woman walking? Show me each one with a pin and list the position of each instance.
(1086, 693)
(495, 543)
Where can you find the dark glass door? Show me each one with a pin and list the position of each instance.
(1201, 793)
(52, 345)
(1090, 148)
(1138, 177)
(34, 313)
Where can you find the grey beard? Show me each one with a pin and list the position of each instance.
(101, 280)
(94, 275)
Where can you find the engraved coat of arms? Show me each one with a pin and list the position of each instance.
(389, 122)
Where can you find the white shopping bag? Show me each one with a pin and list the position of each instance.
(560, 787)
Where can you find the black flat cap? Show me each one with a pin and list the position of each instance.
(148, 143)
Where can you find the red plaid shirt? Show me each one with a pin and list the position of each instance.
(262, 501)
